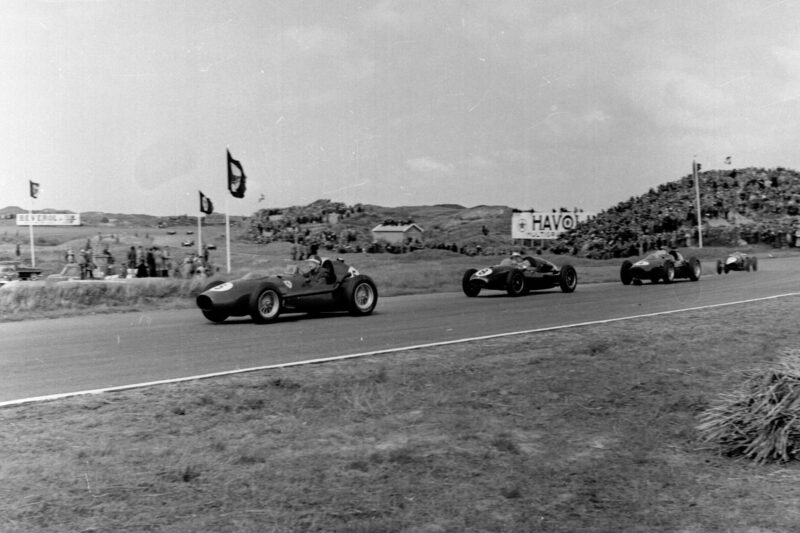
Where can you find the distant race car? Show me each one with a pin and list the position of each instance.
(660, 265)
(318, 286)
(519, 275)
(737, 261)
(187, 242)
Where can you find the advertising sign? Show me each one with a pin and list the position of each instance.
(48, 219)
(536, 225)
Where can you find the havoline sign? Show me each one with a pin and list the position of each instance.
(541, 225)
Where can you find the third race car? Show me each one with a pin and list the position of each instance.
(518, 275)
(660, 265)
(737, 261)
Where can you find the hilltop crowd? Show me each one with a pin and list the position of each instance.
(738, 207)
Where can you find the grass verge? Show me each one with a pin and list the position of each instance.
(584, 429)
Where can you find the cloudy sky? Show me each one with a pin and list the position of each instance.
(128, 106)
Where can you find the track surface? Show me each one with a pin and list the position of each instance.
(47, 357)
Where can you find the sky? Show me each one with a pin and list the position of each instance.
(127, 106)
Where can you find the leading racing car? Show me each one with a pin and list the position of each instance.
(737, 261)
(519, 275)
(660, 265)
(321, 285)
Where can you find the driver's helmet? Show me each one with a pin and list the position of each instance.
(516, 257)
(312, 264)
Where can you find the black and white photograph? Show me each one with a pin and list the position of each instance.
(412, 266)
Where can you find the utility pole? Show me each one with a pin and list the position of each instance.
(695, 169)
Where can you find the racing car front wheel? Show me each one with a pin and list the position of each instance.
(625, 272)
(754, 264)
(669, 272)
(362, 297)
(469, 288)
(515, 284)
(266, 305)
(719, 266)
(694, 269)
(568, 278)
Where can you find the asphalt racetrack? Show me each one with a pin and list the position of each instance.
(42, 358)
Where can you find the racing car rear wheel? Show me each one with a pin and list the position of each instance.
(568, 278)
(215, 316)
(625, 273)
(515, 283)
(669, 272)
(468, 288)
(266, 306)
(694, 269)
(362, 297)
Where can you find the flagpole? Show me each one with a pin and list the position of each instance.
(697, 199)
(30, 230)
(199, 234)
(228, 233)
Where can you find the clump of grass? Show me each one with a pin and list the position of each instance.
(761, 419)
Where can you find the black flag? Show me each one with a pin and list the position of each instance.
(236, 177)
(34, 189)
(206, 205)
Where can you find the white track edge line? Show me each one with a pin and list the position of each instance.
(37, 399)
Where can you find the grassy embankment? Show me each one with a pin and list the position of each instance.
(586, 429)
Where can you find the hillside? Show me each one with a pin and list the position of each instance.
(738, 207)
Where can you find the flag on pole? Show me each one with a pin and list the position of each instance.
(236, 177)
(34, 189)
(206, 205)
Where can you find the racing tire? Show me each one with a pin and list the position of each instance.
(719, 266)
(669, 272)
(755, 264)
(215, 316)
(625, 273)
(515, 283)
(468, 288)
(265, 305)
(726, 269)
(568, 278)
(747, 265)
(362, 297)
(695, 269)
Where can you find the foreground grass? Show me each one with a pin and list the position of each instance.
(585, 429)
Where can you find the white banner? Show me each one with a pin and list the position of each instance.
(48, 219)
(535, 225)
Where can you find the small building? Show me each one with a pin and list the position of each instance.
(397, 234)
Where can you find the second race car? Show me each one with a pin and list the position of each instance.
(519, 275)
(737, 261)
(321, 285)
(660, 265)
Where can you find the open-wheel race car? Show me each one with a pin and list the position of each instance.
(737, 261)
(660, 265)
(320, 285)
(519, 275)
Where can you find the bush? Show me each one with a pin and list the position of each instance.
(761, 419)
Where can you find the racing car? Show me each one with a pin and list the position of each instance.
(660, 265)
(519, 275)
(737, 261)
(321, 285)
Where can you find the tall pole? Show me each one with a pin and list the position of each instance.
(30, 230)
(228, 233)
(697, 199)
(199, 234)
